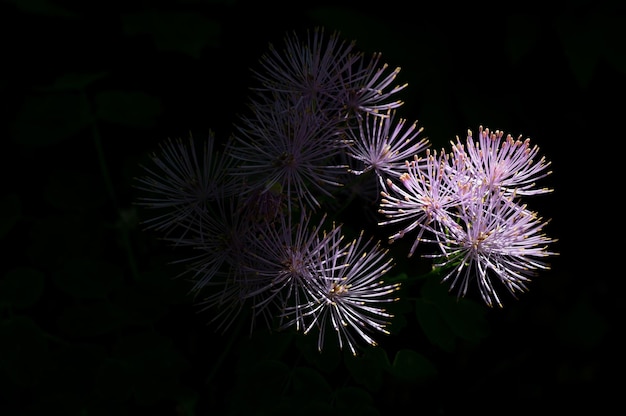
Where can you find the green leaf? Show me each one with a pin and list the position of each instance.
(21, 287)
(129, 108)
(434, 326)
(350, 400)
(10, 212)
(308, 384)
(44, 7)
(88, 278)
(74, 81)
(410, 365)
(369, 368)
(582, 43)
(184, 32)
(522, 35)
(47, 119)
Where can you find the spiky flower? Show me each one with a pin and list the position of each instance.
(504, 163)
(384, 143)
(182, 183)
(311, 71)
(495, 240)
(368, 88)
(425, 199)
(289, 151)
(349, 293)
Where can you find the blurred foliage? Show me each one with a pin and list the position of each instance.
(94, 321)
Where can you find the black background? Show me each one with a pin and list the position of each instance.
(127, 75)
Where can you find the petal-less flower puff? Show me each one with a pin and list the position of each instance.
(182, 183)
(384, 143)
(349, 293)
(495, 239)
(289, 151)
(467, 202)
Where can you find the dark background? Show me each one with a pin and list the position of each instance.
(92, 321)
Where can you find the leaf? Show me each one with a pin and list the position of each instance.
(10, 212)
(44, 7)
(582, 42)
(522, 35)
(50, 118)
(130, 108)
(410, 365)
(433, 325)
(350, 400)
(21, 287)
(368, 369)
(184, 32)
(73, 81)
(308, 384)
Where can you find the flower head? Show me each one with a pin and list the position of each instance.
(349, 292)
(182, 183)
(494, 239)
(384, 143)
(503, 162)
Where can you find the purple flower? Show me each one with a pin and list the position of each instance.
(367, 88)
(182, 183)
(309, 70)
(384, 143)
(494, 239)
(502, 162)
(348, 292)
(291, 152)
(428, 194)
(282, 262)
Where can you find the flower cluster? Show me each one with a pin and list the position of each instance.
(254, 209)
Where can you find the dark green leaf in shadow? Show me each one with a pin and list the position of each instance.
(88, 278)
(350, 400)
(184, 32)
(410, 365)
(433, 325)
(44, 7)
(263, 345)
(73, 81)
(48, 119)
(326, 360)
(92, 319)
(308, 384)
(21, 287)
(72, 191)
(582, 43)
(129, 108)
(464, 317)
(260, 388)
(614, 33)
(10, 212)
(23, 351)
(369, 368)
(522, 34)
